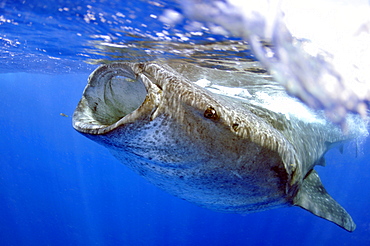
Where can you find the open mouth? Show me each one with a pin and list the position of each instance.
(114, 92)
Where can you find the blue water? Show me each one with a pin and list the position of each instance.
(59, 188)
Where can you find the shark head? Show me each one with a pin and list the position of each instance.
(208, 149)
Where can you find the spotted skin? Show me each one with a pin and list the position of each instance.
(211, 150)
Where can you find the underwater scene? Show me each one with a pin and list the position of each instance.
(198, 122)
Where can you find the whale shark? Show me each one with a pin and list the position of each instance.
(218, 151)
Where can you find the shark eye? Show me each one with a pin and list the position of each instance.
(211, 113)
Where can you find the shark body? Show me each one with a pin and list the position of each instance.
(208, 149)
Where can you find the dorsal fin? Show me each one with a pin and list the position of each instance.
(313, 197)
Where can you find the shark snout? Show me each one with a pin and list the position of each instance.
(114, 95)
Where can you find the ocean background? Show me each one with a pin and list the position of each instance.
(59, 188)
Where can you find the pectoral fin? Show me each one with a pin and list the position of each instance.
(313, 197)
